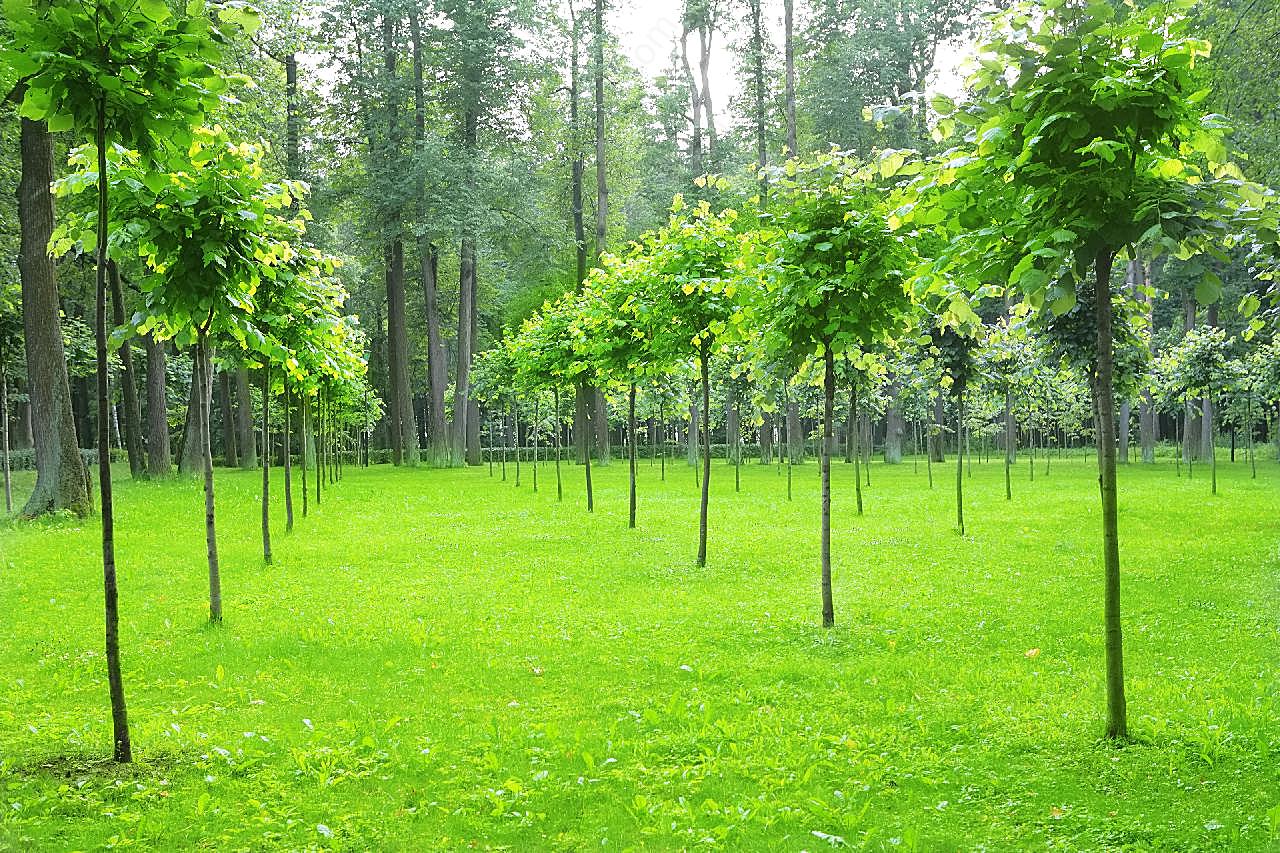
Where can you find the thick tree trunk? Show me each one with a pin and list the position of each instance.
(600, 421)
(404, 448)
(128, 384)
(228, 421)
(1104, 393)
(795, 434)
(691, 442)
(193, 449)
(159, 462)
(246, 442)
(766, 440)
(62, 482)
(936, 433)
(789, 96)
(461, 385)
(828, 422)
(893, 427)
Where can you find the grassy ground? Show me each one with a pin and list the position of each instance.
(439, 660)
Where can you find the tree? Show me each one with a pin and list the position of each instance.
(116, 71)
(689, 300)
(1096, 144)
(834, 283)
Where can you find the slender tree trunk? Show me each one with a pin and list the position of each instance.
(288, 459)
(631, 451)
(305, 413)
(828, 412)
(559, 484)
(705, 368)
(591, 501)
(1010, 442)
(1117, 715)
(123, 752)
(203, 361)
(959, 461)
(4, 434)
(854, 451)
(62, 482)
(266, 462)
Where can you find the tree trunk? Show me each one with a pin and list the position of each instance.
(204, 360)
(893, 427)
(691, 443)
(266, 462)
(201, 393)
(62, 482)
(795, 435)
(591, 500)
(559, 484)
(461, 386)
(705, 368)
(828, 421)
(1104, 393)
(404, 431)
(437, 369)
(246, 442)
(631, 450)
(789, 97)
(159, 463)
(4, 434)
(123, 752)
(1126, 415)
(228, 421)
(937, 452)
(132, 409)
(288, 460)
(960, 459)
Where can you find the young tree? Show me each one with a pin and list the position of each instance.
(1094, 145)
(834, 283)
(116, 71)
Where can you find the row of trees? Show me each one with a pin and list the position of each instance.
(1095, 151)
(215, 244)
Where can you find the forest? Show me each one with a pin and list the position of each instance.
(687, 424)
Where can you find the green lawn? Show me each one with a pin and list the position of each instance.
(439, 660)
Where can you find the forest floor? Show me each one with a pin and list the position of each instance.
(441, 660)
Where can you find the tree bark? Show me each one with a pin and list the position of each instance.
(795, 434)
(246, 442)
(894, 427)
(828, 422)
(404, 448)
(705, 368)
(461, 386)
(266, 462)
(159, 462)
(204, 360)
(631, 450)
(128, 384)
(228, 421)
(789, 96)
(1104, 393)
(4, 434)
(936, 444)
(193, 449)
(62, 482)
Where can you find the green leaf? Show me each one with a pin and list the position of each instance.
(61, 122)
(156, 10)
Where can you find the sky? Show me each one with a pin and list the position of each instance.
(647, 30)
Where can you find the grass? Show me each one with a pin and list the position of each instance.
(439, 660)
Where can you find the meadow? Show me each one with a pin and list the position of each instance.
(438, 659)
